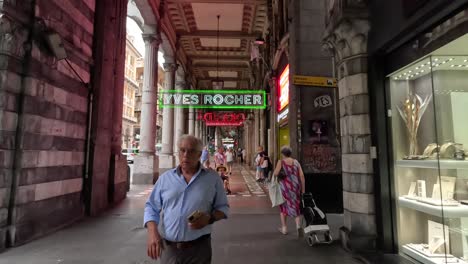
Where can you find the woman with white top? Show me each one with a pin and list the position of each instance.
(229, 160)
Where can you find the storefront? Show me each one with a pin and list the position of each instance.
(420, 125)
(282, 108)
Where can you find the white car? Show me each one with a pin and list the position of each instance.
(130, 153)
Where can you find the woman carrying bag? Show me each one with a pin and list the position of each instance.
(289, 173)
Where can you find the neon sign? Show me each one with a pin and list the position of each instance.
(224, 117)
(283, 89)
(222, 123)
(224, 99)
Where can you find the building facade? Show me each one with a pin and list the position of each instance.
(131, 89)
(404, 83)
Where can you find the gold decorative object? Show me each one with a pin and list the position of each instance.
(411, 110)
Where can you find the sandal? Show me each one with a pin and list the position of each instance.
(283, 230)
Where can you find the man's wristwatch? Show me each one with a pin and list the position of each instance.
(212, 219)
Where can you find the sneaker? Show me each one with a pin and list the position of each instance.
(283, 230)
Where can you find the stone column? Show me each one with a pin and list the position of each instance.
(262, 131)
(191, 121)
(197, 128)
(179, 120)
(166, 159)
(256, 129)
(348, 42)
(146, 163)
(203, 132)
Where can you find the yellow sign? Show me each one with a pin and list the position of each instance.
(314, 81)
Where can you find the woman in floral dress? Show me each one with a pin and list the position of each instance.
(292, 187)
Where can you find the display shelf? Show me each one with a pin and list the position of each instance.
(428, 260)
(433, 164)
(449, 211)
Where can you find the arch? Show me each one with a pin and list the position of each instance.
(284, 45)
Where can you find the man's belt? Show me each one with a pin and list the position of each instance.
(187, 244)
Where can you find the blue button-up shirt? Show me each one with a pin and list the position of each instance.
(178, 200)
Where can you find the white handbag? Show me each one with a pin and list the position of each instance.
(274, 190)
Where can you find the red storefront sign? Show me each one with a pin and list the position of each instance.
(222, 119)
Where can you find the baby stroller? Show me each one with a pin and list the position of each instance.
(316, 222)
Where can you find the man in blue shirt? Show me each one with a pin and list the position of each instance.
(176, 196)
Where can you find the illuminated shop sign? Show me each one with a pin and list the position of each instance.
(224, 99)
(221, 117)
(283, 89)
(283, 115)
(222, 123)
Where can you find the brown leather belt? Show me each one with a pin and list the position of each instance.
(187, 244)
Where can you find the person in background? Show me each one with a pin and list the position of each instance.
(220, 157)
(258, 158)
(292, 187)
(229, 160)
(239, 155)
(266, 166)
(186, 223)
(222, 173)
(244, 155)
(205, 155)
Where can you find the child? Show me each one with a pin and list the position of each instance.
(222, 170)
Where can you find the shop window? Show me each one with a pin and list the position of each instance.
(429, 100)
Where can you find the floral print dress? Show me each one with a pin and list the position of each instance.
(291, 190)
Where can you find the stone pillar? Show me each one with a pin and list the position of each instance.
(179, 121)
(191, 121)
(256, 129)
(203, 132)
(262, 131)
(218, 137)
(146, 163)
(166, 159)
(348, 42)
(197, 128)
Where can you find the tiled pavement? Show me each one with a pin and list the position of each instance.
(249, 235)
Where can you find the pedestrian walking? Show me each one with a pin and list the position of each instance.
(192, 199)
(239, 155)
(292, 183)
(220, 157)
(244, 155)
(266, 166)
(229, 160)
(205, 155)
(257, 160)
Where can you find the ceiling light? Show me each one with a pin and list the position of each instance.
(436, 59)
(452, 65)
(217, 84)
(465, 61)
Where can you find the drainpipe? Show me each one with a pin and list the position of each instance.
(26, 65)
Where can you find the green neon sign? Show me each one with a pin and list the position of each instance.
(213, 99)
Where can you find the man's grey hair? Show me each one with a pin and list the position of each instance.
(197, 142)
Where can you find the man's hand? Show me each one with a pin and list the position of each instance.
(200, 222)
(155, 243)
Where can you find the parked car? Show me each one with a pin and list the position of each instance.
(130, 153)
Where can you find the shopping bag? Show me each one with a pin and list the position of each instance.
(274, 190)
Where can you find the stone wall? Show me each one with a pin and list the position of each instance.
(43, 115)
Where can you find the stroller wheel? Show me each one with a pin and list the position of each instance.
(312, 239)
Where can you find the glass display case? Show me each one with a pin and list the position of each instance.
(429, 110)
